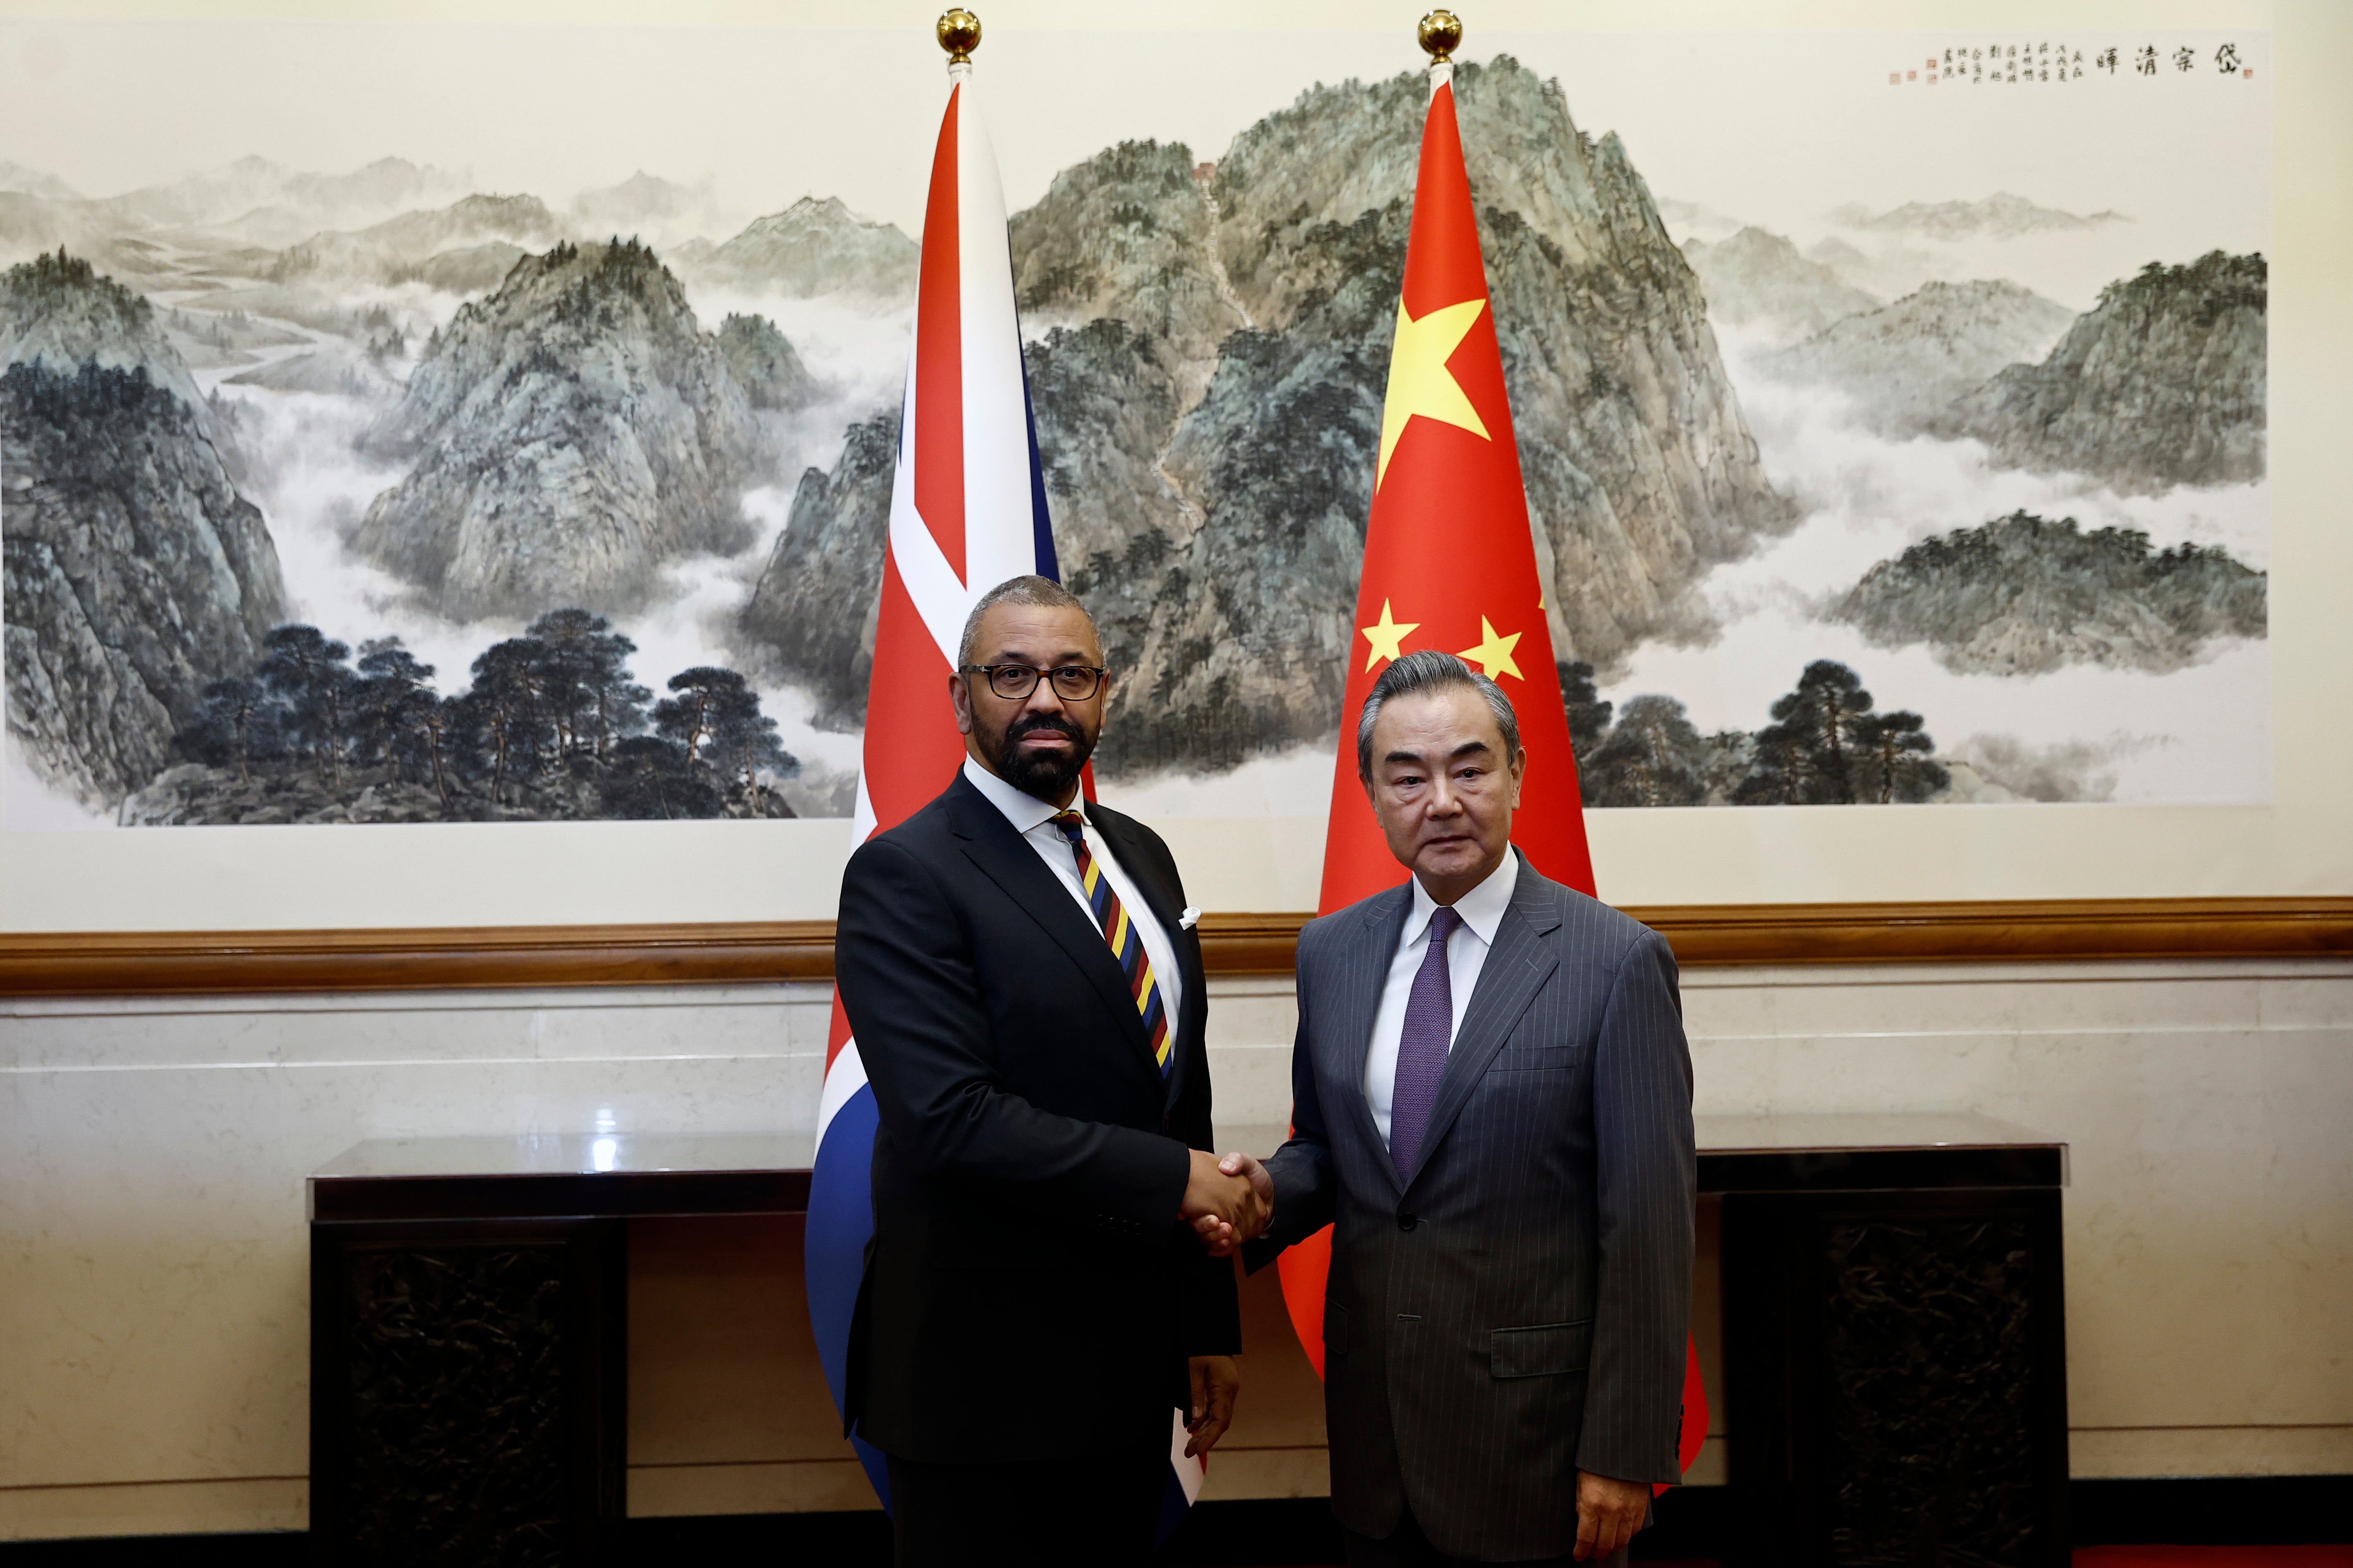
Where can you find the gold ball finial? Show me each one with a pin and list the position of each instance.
(959, 33)
(1440, 34)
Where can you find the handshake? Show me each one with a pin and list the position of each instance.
(1227, 1201)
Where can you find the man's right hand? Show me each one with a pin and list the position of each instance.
(1219, 1234)
(1225, 1203)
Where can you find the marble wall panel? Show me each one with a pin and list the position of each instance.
(154, 1327)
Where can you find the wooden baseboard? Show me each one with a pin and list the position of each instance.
(66, 964)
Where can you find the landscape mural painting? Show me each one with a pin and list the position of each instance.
(1892, 406)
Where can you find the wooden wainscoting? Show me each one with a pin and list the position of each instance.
(64, 964)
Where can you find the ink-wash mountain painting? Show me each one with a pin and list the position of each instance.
(1893, 406)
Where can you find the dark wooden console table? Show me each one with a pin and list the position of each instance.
(1895, 1341)
(469, 1302)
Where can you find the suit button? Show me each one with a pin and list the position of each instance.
(1406, 1219)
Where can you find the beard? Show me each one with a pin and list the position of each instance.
(1044, 775)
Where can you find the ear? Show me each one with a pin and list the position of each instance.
(960, 698)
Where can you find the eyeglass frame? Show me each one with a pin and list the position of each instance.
(1050, 676)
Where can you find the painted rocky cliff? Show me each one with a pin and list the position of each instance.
(2162, 384)
(570, 434)
(135, 574)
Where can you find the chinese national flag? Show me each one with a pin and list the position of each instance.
(1449, 563)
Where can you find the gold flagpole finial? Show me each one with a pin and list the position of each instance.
(1440, 34)
(959, 35)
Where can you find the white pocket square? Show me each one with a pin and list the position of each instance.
(1189, 919)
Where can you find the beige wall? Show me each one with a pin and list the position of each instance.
(154, 1290)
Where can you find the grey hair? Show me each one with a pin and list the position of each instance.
(1430, 670)
(1039, 593)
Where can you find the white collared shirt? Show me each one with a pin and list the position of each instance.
(1481, 909)
(1034, 820)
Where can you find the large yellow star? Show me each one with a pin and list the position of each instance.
(1388, 638)
(1420, 381)
(1494, 654)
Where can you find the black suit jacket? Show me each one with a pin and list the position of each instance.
(1515, 1309)
(1029, 1289)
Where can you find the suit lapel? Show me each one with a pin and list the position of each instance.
(990, 843)
(1369, 951)
(1523, 958)
(1120, 835)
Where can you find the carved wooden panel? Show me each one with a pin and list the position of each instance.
(458, 1392)
(1925, 1334)
(1895, 1367)
(467, 1399)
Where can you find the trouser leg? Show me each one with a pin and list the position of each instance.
(1088, 1511)
(1406, 1547)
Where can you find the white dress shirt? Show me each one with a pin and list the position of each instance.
(1481, 909)
(1034, 820)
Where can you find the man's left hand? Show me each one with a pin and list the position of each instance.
(1609, 1512)
(1216, 1382)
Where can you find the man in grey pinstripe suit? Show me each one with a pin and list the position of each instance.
(1492, 1101)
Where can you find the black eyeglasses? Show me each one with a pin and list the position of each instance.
(1072, 682)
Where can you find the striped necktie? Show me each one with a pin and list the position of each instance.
(1126, 941)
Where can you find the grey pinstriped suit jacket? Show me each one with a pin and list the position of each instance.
(1515, 1310)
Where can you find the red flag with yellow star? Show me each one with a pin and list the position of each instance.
(1449, 563)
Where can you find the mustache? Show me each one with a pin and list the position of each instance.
(1031, 724)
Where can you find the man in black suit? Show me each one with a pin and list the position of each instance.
(1492, 1099)
(1030, 1004)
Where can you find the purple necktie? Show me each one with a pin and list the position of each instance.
(1421, 1048)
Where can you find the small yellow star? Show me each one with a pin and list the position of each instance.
(1388, 638)
(1494, 654)
(1420, 381)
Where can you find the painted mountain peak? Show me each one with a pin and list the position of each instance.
(395, 250)
(1758, 276)
(641, 195)
(816, 246)
(2001, 216)
(2163, 384)
(1903, 367)
(135, 574)
(255, 186)
(59, 313)
(34, 182)
(2025, 594)
(652, 208)
(569, 434)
